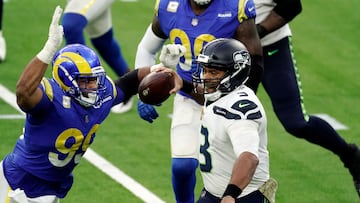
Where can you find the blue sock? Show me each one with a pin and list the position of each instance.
(74, 25)
(184, 179)
(110, 51)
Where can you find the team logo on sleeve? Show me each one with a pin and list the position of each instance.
(172, 6)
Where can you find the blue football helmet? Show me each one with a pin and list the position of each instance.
(74, 63)
(228, 55)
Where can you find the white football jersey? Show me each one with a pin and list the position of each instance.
(263, 9)
(231, 125)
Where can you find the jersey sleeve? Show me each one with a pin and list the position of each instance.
(46, 86)
(246, 10)
(244, 136)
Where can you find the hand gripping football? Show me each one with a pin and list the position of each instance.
(155, 87)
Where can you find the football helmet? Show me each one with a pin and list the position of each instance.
(75, 66)
(202, 2)
(228, 55)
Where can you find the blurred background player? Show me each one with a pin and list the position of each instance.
(201, 21)
(2, 39)
(234, 160)
(63, 114)
(282, 83)
(94, 17)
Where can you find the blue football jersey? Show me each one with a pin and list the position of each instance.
(56, 135)
(183, 26)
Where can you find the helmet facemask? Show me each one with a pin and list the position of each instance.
(208, 86)
(91, 87)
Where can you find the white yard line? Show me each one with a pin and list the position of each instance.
(9, 98)
(332, 121)
(98, 161)
(136, 188)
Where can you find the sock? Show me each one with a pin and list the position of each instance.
(110, 51)
(74, 25)
(184, 179)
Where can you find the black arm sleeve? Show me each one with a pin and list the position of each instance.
(187, 87)
(129, 84)
(256, 72)
(288, 9)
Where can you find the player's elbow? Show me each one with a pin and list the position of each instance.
(23, 96)
(250, 158)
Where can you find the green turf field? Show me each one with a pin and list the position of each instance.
(327, 49)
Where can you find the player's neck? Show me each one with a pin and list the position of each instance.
(198, 10)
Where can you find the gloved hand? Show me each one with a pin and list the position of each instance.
(170, 54)
(147, 111)
(56, 33)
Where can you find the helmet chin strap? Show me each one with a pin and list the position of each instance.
(213, 96)
(202, 2)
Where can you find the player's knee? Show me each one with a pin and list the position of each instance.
(184, 167)
(296, 128)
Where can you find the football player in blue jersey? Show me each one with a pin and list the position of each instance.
(63, 114)
(189, 25)
(95, 18)
(281, 82)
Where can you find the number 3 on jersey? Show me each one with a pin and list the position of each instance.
(207, 165)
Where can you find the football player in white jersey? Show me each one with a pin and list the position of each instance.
(94, 17)
(282, 83)
(234, 160)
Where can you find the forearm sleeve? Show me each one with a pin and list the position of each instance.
(129, 83)
(147, 49)
(288, 9)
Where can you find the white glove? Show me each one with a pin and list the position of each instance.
(55, 38)
(170, 55)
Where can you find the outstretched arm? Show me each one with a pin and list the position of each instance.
(28, 93)
(129, 83)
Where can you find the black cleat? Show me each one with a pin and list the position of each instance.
(353, 164)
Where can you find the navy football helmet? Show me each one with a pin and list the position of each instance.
(74, 65)
(228, 55)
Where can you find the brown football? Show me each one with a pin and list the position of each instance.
(155, 87)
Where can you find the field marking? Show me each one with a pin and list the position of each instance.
(332, 121)
(136, 188)
(9, 98)
(98, 161)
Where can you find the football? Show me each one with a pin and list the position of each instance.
(155, 87)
